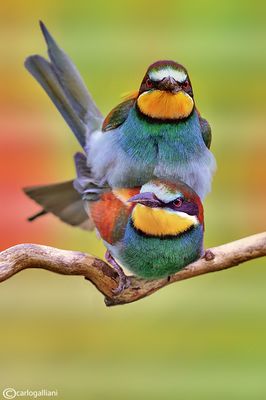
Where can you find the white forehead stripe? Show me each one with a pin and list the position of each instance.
(177, 74)
(160, 191)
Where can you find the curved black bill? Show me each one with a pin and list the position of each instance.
(169, 84)
(147, 199)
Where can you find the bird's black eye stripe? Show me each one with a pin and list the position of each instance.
(187, 206)
(183, 205)
(177, 202)
(149, 82)
(174, 204)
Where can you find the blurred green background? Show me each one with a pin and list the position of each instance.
(199, 339)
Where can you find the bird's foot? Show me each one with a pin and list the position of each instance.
(124, 281)
(208, 255)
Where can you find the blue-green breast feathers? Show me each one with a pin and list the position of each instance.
(151, 257)
(141, 149)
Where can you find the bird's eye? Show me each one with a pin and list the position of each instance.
(185, 85)
(149, 83)
(178, 202)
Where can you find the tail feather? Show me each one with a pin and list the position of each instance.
(62, 200)
(37, 215)
(43, 72)
(64, 85)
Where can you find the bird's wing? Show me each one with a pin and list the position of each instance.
(111, 213)
(205, 130)
(62, 82)
(62, 200)
(119, 114)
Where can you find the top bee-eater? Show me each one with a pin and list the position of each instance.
(157, 133)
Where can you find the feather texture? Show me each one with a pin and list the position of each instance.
(64, 85)
(111, 213)
(118, 115)
(168, 245)
(158, 257)
(165, 105)
(62, 200)
(128, 149)
(140, 150)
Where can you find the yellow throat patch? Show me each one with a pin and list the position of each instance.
(165, 105)
(160, 222)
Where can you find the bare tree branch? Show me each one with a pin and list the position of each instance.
(105, 278)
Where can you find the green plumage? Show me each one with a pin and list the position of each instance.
(118, 115)
(154, 257)
(206, 131)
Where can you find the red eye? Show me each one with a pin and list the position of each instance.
(178, 202)
(185, 85)
(149, 83)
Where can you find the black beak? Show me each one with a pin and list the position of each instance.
(147, 199)
(170, 84)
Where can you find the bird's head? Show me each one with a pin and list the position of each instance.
(166, 209)
(166, 92)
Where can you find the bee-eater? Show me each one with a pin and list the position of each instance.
(157, 133)
(154, 230)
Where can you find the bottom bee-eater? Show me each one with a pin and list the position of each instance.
(154, 230)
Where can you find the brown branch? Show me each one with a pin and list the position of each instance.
(105, 278)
